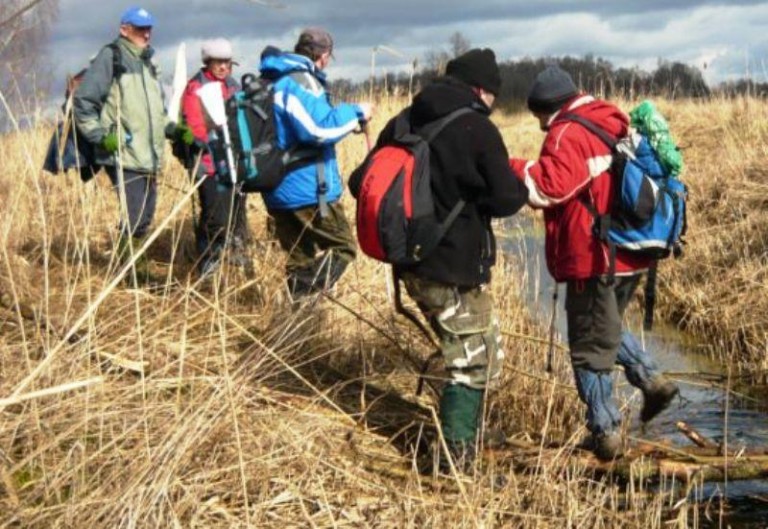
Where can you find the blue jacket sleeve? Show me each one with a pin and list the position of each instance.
(314, 120)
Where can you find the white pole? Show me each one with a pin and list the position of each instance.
(230, 156)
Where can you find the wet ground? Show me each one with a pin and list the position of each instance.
(703, 399)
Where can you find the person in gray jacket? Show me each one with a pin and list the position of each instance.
(119, 109)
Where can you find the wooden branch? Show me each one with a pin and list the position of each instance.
(694, 436)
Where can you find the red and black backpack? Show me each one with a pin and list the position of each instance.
(396, 220)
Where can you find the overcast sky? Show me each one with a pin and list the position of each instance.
(724, 39)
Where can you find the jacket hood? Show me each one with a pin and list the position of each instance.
(442, 97)
(607, 116)
(278, 65)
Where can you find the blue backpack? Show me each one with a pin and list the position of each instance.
(260, 163)
(648, 214)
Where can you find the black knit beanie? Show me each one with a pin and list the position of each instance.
(477, 68)
(552, 88)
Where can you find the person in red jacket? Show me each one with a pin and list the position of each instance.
(219, 209)
(571, 176)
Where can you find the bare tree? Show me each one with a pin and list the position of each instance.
(436, 59)
(25, 27)
(459, 44)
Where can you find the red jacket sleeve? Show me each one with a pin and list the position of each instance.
(192, 110)
(563, 169)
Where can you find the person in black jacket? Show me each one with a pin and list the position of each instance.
(468, 160)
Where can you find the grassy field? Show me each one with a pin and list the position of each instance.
(214, 405)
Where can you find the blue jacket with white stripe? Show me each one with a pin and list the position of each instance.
(305, 117)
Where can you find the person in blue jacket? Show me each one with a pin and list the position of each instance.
(309, 219)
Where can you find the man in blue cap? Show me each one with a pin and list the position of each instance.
(119, 108)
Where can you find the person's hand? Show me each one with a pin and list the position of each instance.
(179, 132)
(184, 134)
(200, 145)
(367, 110)
(109, 142)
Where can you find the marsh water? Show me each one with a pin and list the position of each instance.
(703, 398)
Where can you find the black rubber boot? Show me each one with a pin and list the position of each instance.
(657, 396)
(605, 446)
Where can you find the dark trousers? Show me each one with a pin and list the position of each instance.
(594, 311)
(319, 248)
(139, 191)
(221, 210)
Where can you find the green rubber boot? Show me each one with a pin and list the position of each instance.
(460, 408)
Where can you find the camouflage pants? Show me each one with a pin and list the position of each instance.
(467, 326)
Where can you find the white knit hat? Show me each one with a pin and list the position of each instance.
(216, 49)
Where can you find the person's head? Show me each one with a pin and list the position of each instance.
(317, 44)
(136, 26)
(270, 51)
(551, 90)
(478, 69)
(217, 57)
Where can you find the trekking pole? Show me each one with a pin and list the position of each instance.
(551, 350)
(367, 133)
(407, 313)
(400, 309)
(650, 296)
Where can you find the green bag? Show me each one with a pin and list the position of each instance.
(649, 122)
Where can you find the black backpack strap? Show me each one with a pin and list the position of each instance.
(430, 131)
(650, 296)
(322, 188)
(602, 223)
(118, 68)
(591, 126)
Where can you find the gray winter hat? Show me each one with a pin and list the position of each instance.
(551, 89)
(216, 49)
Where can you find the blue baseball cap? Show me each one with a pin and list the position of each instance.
(137, 16)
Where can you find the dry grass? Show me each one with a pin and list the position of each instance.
(718, 290)
(213, 405)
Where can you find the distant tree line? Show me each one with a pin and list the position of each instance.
(594, 75)
(591, 74)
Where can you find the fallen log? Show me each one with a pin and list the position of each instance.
(645, 461)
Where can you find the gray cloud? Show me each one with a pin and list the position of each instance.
(716, 33)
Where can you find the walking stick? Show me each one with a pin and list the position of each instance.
(366, 131)
(400, 309)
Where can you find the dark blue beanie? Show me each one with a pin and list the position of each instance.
(552, 88)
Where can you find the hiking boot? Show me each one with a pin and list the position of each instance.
(238, 254)
(657, 396)
(605, 446)
(208, 266)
